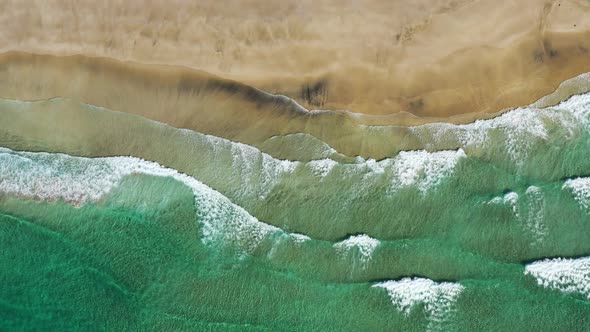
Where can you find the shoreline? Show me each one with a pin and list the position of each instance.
(76, 122)
(188, 79)
(208, 104)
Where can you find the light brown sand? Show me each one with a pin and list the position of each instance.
(431, 59)
(202, 102)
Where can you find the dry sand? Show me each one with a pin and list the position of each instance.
(425, 57)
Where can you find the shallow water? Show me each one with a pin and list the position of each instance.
(211, 234)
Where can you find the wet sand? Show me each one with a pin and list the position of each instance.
(209, 104)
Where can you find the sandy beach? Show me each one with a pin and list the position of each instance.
(408, 61)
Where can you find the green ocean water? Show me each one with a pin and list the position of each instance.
(486, 228)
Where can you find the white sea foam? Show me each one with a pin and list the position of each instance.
(511, 200)
(516, 131)
(437, 298)
(77, 180)
(357, 248)
(299, 238)
(565, 275)
(580, 189)
(534, 222)
(258, 170)
(374, 166)
(321, 167)
(424, 169)
(495, 200)
(259, 173)
(580, 104)
(519, 129)
(532, 217)
(50, 177)
(409, 168)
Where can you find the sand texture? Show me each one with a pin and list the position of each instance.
(402, 59)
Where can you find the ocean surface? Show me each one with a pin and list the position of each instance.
(111, 221)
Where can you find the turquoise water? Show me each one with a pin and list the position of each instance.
(486, 228)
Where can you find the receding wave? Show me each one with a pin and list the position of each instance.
(211, 105)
